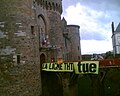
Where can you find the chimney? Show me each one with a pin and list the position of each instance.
(112, 25)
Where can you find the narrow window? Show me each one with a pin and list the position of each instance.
(32, 30)
(18, 59)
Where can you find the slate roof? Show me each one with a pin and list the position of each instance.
(118, 28)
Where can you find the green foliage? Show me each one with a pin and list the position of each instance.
(84, 86)
(112, 83)
(111, 56)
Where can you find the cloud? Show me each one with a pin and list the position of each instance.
(102, 4)
(92, 23)
(67, 3)
(110, 7)
(95, 46)
(95, 23)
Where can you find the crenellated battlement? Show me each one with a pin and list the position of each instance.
(54, 5)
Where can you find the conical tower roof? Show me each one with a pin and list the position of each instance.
(118, 28)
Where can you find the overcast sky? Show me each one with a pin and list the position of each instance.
(94, 18)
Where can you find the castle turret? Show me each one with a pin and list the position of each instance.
(55, 31)
(73, 31)
(49, 22)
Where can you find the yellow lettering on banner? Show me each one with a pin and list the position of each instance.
(86, 67)
(58, 67)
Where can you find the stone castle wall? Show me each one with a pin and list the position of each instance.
(29, 29)
(19, 54)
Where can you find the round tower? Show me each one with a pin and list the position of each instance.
(55, 31)
(75, 41)
(51, 14)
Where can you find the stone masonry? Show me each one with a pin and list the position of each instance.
(31, 33)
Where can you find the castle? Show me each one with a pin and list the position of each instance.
(31, 33)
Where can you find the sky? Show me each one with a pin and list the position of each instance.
(94, 18)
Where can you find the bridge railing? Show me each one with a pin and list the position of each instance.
(105, 62)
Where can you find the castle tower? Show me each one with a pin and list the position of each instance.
(73, 31)
(48, 21)
(51, 28)
(55, 31)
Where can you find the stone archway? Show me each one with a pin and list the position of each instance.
(42, 58)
